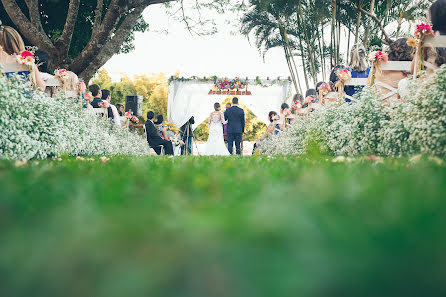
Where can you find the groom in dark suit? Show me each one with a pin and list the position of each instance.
(236, 126)
(153, 137)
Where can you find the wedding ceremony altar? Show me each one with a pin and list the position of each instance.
(193, 97)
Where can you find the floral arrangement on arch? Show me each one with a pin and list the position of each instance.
(343, 75)
(422, 31)
(236, 86)
(376, 57)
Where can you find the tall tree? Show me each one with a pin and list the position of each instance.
(90, 34)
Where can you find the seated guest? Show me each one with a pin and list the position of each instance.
(11, 45)
(153, 137)
(95, 91)
(298, 101)
(42, 60)
(120, 109)
(358, 68)
(436, 56)
(112, 111)
(272, 129)
(284, 112)
(310, 96)
(398, 51)
(162, 129)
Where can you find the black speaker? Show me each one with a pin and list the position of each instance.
(134, 103)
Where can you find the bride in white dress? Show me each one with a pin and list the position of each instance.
(215, 146)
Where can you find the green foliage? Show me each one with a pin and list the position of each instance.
(154, 90)
(196, 227)
(53, 22)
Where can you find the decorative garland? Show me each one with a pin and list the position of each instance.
(257, 81)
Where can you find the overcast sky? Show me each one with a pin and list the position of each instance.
(222, 54)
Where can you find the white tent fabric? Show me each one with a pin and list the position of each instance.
(190, 98)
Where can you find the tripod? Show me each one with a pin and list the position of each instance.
(186, 144)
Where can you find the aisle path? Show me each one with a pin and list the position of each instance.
(247, 148)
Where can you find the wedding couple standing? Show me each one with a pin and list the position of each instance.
(234, 118)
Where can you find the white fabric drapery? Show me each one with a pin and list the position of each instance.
(190, 98)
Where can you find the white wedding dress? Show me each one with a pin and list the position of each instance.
(215, 146)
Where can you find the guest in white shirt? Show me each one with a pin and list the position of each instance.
(112, 111)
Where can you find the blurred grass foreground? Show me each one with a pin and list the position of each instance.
(193, 227)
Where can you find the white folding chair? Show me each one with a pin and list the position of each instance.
(355, 82)
(437, 41)
(392, 66)
(14, 68)
(51, 84)
(101, 111)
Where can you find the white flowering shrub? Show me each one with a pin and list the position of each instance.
(417, 125)
(33, 125)
(426, 116)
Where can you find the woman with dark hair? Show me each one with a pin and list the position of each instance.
(435, 56)
(120, 109)
(272, 129)
(162, 130)
(398, 51)
(284, 113)
(298, 101)
(437, 15)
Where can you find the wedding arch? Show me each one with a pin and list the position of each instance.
(196, 97)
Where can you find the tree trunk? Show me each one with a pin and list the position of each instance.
(307, 41)
(348, 44)
(290, 60)
(333, 33)
(367, 28)
(358, 23)
(321, 49)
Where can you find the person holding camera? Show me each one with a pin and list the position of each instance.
(186, 133)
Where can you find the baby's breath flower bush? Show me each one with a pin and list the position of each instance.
(348, 129)
(417, 125)
(33, 125)
(426, 116)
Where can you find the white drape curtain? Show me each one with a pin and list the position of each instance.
(190, 98)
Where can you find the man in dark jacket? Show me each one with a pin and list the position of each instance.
(97, 95)
(236, 126)
(187, 135)
(153, 137)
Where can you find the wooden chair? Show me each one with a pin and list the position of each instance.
(437, 41)
(392, 66)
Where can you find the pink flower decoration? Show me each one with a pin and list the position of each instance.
(104, 159)
(26, 54)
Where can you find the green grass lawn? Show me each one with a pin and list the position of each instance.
(192, 227)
